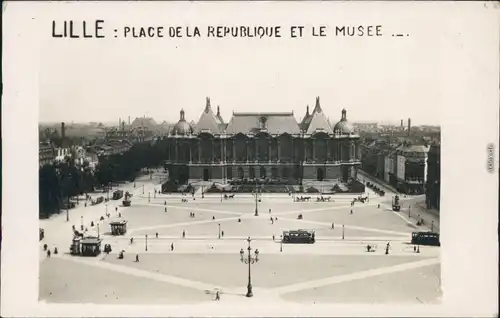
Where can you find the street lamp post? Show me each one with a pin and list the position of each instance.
(249, 260)
(146, 244)
(149, 197)
(409, 210)
(143, 189)
(342, 231)
(432, 226)
(81, 222)
(256, 200)
(106, 208)
(281, 243)
(219, 229)
(98, 233)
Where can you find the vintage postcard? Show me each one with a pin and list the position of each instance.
(250, 159)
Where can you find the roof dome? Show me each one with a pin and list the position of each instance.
(343, 127)
(182, 127)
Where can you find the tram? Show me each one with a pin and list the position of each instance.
(299, 236)
(425, 238)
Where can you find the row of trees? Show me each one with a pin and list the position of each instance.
(60, 181)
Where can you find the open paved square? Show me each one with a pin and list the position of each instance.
(190, 269)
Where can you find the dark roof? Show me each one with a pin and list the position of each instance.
(273, 123)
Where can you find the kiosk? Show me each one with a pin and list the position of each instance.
(118, 227)
(90, 246)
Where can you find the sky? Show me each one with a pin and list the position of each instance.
(383, 79)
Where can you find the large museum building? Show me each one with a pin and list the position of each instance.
(263, 145)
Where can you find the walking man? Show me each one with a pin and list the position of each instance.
(137, 258)
(183, 234)
(172, 246)
(156, 234)
(333, 225)
(217, 296)
(222, 233)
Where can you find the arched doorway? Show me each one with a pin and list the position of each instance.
(241, 173)
(206, 174)
(320, 174)
(262, 172)
(274, 172)
(252, 173)
(229, 173)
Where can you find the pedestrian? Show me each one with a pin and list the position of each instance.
(269, 211)
(378, 206)
(222, 233)
(276, 218)
(414, 249)
(239, 220)
(172, 246)
(213, 217)
(217, 296)
(48, 253)
(85, 204)
(131, 240)
(55, 251)
(119, 215)
(44, 247)
(92, 223)
(165, 209)
(165, 203)
(116, 209)
(183, 234)
(333, 225)
(156, 234)
(137, 258)
(351, 211)
(273, 237)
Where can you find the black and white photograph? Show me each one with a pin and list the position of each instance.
(209, 156)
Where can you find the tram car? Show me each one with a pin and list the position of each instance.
(86, 246)
(118, 194)
(299, 236)
(396, 206)
(425, 238)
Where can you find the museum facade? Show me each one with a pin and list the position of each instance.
(262, 145)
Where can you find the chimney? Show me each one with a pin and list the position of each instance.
(119, 123)
(63, 132)
(409, 126)
(402, 123)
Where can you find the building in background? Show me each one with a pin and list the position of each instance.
(46, 154)
(262, 145)
(433, 185)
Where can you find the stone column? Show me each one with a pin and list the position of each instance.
(279, 149)
(234, 150)
(222, 152)
(314, 149)
(176, 150)
(190, 150)
(304, 144)
(269, 154)
(246, 148)
(199, 150)
(256, 143)
(328, 151)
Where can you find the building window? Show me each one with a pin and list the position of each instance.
(252, 173)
